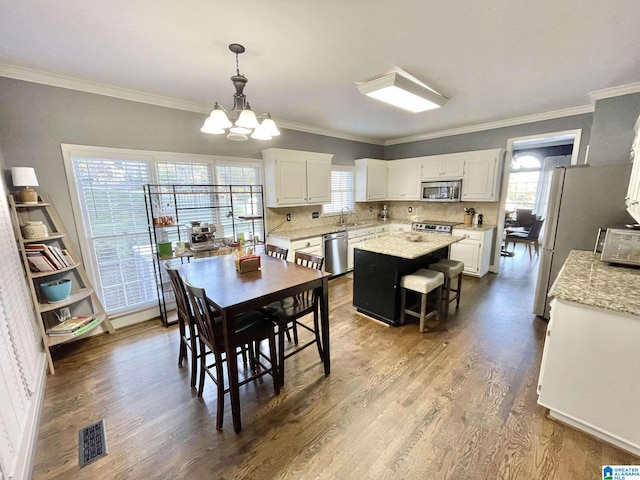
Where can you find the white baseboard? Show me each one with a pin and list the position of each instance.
(27, 452)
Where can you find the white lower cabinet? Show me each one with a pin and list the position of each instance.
(382, 231)
(311, 245)
(356, 236)
(588, 375)
(474, 251)
(399, 227)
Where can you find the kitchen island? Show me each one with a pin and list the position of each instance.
(379, 264)
(589, 370)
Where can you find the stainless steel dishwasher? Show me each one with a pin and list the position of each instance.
(335, 253)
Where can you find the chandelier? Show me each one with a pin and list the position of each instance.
(239, 120)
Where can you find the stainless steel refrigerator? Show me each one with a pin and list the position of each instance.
(582, 199)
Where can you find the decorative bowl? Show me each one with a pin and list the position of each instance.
(56, 290)
(413, 236)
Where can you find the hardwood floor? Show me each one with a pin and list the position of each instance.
(455, 403)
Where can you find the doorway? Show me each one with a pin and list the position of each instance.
(528, 164)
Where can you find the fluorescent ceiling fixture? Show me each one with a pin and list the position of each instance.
(402, 92)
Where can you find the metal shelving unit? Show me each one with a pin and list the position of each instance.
(224, 212)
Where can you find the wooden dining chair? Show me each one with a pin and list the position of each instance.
(277, 252)
(186, 325)
(249, 328)
(287, 313)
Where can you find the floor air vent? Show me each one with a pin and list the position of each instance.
(92, 443)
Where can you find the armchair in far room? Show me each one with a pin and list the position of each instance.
(525, 217)
(509, 219)
(529, 238)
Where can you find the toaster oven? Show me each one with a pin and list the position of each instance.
(621, 246)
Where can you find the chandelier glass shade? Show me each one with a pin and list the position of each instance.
(239, 122)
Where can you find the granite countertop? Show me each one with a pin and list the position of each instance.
(586, 280)
(477, 228)
(398, 245)
(301, 233)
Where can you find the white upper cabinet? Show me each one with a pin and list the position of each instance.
(403, 181)
(481, 179)
(633, 193)
(371, 180)
(443, 167)
(294, 177)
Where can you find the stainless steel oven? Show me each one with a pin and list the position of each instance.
(434, 226)
(441, 191)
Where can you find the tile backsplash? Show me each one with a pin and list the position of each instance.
(301, 217)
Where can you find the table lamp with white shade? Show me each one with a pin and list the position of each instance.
(25, 177)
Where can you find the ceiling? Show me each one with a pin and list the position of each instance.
(495, 61)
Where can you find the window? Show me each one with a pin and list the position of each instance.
(522, 190)
(240, 174)
(342, 191)
(109, 200)
(111, 197)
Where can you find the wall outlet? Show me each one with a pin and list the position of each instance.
(288, 217)
(410, 209)
(315, 215)
(370, 209)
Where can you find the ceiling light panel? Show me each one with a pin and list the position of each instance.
(402, 92)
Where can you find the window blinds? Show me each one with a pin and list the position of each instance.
(342, 191)
(111, 196)
(19, 345)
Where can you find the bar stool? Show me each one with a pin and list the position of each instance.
(422, 281)
(450, 269)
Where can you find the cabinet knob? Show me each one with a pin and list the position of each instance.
(308, 244)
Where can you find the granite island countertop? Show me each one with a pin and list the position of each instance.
(398, 245)
(586, 280)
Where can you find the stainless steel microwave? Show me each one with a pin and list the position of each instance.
(441, 191)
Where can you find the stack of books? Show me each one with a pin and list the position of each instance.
(74, 326)
(47, 258)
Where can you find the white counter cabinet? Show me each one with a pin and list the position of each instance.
(371, 180)
(589, 372)
(633, 193)
(443, 167)
(403, 180)
(356, 236)
(482, 173)
(474, 251)
(312, 245)
(294, 177)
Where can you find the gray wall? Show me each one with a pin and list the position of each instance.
(496, 138)
(612, 132)
(35, 119)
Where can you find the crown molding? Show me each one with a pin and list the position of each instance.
(614, 91)
(88, 86)
(62, 81)
(329, 133)
(538, 117)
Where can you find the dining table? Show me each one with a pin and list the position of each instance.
(233, 293)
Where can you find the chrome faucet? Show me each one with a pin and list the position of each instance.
(342, 214)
